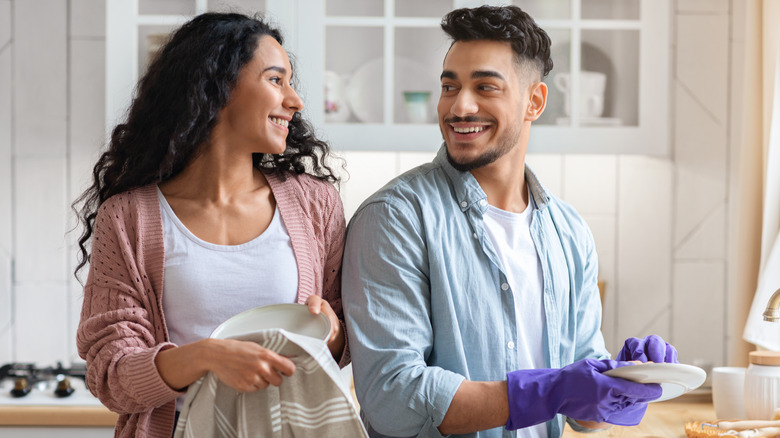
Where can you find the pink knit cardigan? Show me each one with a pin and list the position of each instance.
(122, 325)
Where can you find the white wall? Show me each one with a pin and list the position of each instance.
(659, 224)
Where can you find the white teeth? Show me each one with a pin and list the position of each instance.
(279, 121)
(469, 129)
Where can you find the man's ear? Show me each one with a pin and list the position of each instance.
(537, 101)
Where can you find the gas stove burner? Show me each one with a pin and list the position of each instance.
(63, 388)
(27, 375)
(21, 388)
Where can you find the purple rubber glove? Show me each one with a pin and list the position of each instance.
(578, 391)
(650, 349)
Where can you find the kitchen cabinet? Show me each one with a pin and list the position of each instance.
(136, 29)
(368, 70)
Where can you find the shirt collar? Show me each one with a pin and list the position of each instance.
(468, 191)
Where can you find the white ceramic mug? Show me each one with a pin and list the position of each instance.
(728, 385)
(591, 96)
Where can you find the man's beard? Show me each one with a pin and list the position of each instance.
(503, 145)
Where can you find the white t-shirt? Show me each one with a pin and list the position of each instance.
(205, 284)
(510, 235)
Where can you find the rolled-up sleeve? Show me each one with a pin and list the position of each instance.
(386, 296)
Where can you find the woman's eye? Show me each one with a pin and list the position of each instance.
(275, 79)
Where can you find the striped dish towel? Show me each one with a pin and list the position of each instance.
(312, 403)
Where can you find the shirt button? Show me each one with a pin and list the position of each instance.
(475, 235)
(504, 286)
(482, 202)
(510, 345)
(464, 204)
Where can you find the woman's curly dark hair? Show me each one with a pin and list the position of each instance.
(502, 23)
(176, 107)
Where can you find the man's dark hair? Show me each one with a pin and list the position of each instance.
(529, 42)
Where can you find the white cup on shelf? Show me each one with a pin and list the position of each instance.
(591, 95)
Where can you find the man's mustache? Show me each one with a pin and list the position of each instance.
(467, 119)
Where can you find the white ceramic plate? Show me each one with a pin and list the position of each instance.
(291, 317)
(364, 92)
(675, 379)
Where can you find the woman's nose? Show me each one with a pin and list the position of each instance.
(292, 100)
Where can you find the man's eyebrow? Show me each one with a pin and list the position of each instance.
(449, 75)
(487, 74)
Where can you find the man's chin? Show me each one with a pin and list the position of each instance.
(467, 164)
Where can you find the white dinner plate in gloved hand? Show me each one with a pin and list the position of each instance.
(675, 378)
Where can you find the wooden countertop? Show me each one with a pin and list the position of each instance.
(56, 416)
(664, 419)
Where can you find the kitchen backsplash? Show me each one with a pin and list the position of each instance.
(660, 224)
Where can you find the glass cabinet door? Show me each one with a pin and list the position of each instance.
(137, 29)
(368, 70)
(608, 90)
(596, 51)
(374, 65)
(379, 82)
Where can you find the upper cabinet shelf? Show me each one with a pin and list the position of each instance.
(368, 70)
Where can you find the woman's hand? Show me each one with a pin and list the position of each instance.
(336, 339)
(244, 366)
(248, 366)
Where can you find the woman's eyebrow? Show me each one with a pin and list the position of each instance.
(281, 70)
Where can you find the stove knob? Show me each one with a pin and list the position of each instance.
(21, 388)
(63, 388)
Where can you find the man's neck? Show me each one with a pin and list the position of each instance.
(503, 181)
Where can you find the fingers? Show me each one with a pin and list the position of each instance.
(671, 354)
(647, 392)
(650, 349)
(271, 373)
(630, 415)
(315, 304)
(654, 348)
(248, 366)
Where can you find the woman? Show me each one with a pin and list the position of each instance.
(212, 198)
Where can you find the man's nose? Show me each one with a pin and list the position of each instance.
(464, 104)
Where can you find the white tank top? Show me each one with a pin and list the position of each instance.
(510, 234)
(205, 284)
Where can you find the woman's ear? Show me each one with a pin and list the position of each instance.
(537, 101)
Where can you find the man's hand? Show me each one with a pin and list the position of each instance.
(579, 391)
(650, 349)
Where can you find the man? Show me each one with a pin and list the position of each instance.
(470, 292)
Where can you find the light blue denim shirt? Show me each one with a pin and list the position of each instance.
(427, 302)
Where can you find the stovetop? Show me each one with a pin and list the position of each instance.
(28, 384)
